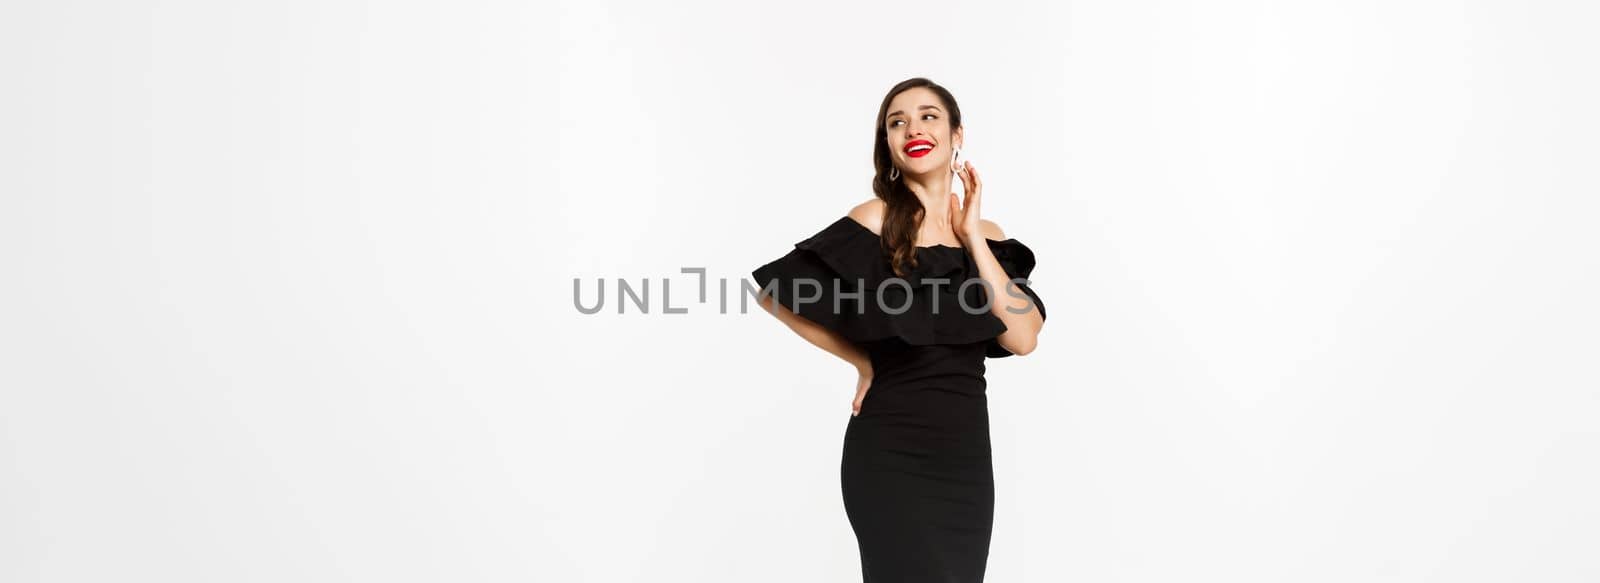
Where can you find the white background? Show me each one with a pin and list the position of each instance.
(288, 287)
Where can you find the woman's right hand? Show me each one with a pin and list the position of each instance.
(863, 384)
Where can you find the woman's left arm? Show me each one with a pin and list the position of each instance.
(1021, 317)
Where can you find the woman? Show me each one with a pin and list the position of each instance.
(899, 288)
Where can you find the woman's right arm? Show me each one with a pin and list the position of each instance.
(830, 341)
(821, 337)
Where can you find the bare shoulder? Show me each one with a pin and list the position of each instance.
(991, 230)
(869, 214)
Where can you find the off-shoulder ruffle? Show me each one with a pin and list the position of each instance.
(849, 265)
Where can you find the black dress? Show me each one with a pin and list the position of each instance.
(916, 474)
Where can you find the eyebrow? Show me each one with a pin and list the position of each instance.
(898, 112)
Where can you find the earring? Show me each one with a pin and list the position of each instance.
(955, 165)
(894, 172)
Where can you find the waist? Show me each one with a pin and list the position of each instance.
(951, 366)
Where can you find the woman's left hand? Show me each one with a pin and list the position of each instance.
(964, 219)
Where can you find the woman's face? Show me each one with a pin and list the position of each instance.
(919, 134)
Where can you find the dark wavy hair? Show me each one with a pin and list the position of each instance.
(903, 212)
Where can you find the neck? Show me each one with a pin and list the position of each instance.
(934, 191)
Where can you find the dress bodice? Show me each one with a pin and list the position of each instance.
(841, 278)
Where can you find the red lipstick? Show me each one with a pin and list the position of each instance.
(918, 148)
